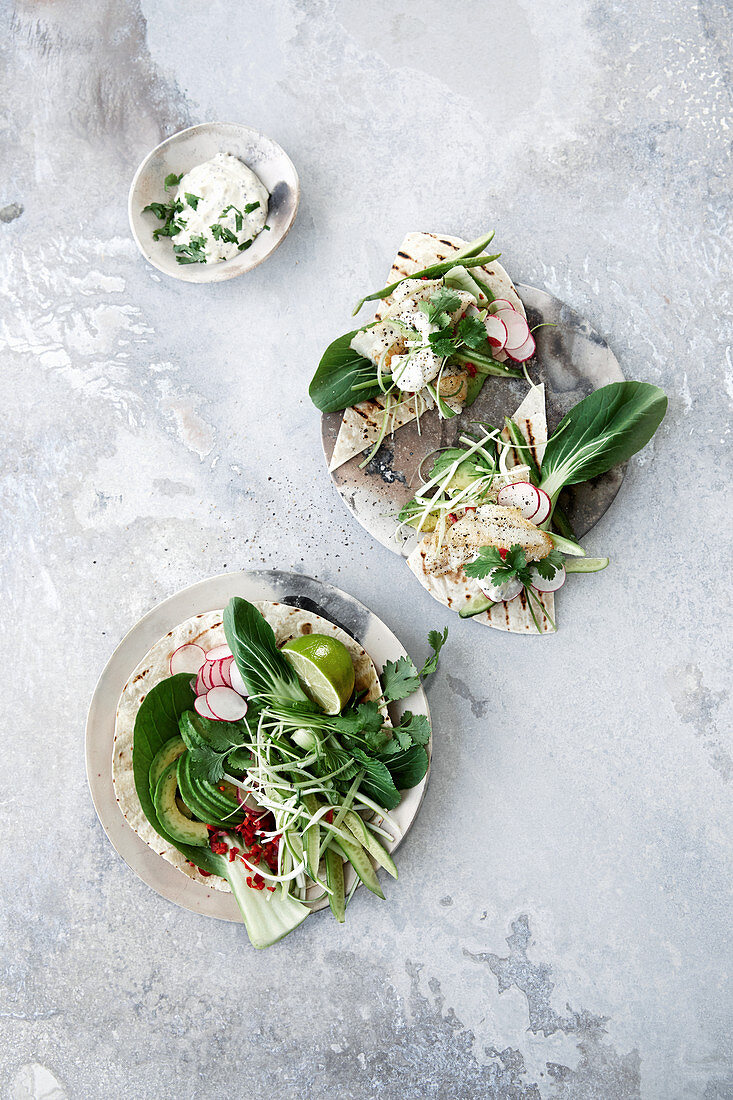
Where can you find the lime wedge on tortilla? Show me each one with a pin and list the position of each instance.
(324, 667)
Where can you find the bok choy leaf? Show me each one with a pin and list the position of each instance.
(602, 430)
(266, 673)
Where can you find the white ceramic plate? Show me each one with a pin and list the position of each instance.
(210, 595)
(184, 151)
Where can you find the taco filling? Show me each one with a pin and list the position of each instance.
(254, 751)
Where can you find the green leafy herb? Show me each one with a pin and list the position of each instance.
(412, 729)
(221, 233)
(251, 206)
(172, 180)
(440, 305)
(471, 332)
(491, 563)
(192, 253)
(408, 767)
(166, 212)
(548, 567)
(436, 641)
(245, 245)
(400, 678)
(192, 200)
(238, 216)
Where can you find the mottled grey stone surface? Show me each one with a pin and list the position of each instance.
(559, 928)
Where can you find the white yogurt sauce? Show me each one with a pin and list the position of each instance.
(221, 184)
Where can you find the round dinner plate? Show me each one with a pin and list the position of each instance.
(292, 589)
(572, 360)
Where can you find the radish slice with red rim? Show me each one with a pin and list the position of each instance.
(202, 707)
(201, 687)
(516, 327)
(500, 593)
(525, 351)
(522, 495)
(218, 652)
(235, 680)
(496, 332)
(226, 704)
(542, 584)
(216, 675)
(544, 510)
(187, 658)
(501, 303)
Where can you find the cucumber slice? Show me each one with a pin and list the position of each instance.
(475, 606)
(585, 565)
(335, 880)
(179, 827)
(166, 754)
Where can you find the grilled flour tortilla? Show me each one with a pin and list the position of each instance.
(449, 584)
(207, 631)
(361, 425)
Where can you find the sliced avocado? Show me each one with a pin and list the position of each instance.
(464, 475)
(475, 606)
(214, 803)
(428, 524)
(179, 827)
(165, 755)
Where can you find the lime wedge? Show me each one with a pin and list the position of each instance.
(325, 670)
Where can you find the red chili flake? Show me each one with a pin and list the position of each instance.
(233, 853)
(471, 370)
(329, 817)
(222, 787)
(503, 553)
(470, 508)
(218, 847)
(249, 880)
(271, 889)
(452, 517)
(206, 874)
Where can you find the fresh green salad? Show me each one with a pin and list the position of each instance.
(264, 766)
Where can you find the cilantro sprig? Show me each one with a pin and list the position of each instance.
(447, 339)
(502, 566)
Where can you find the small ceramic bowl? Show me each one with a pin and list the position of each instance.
(184, 151)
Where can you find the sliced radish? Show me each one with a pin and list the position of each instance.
(516, 326)
(215, 676)
(551, 585)
(218, 652)
(544, 510)
(225, 665)
(522, 495)
(226, 704)
(187, 658)
(202, 707)
(201, 688)
(235, 680)
(500, 593)
(205, 674)
(501, 303)
(526, 351)
(496, 331)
